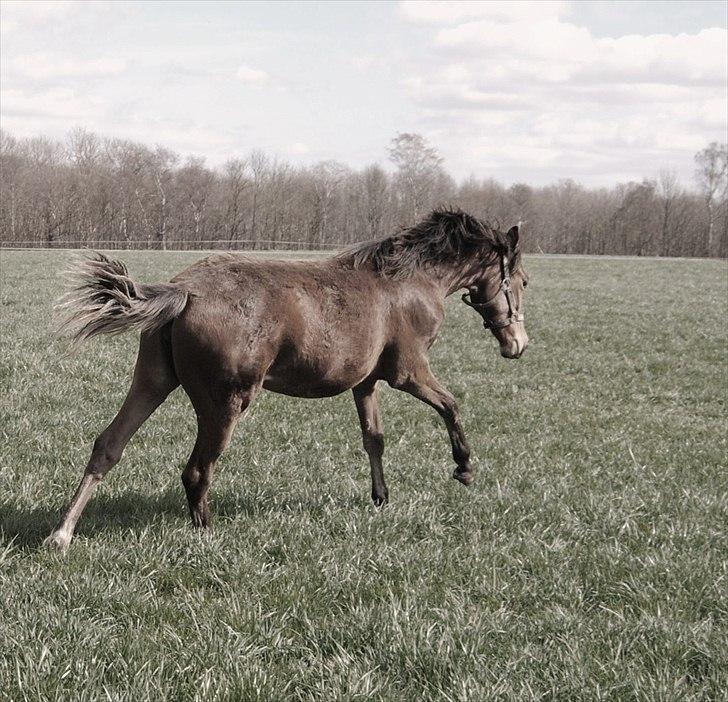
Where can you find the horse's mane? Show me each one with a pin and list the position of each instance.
(446, 236)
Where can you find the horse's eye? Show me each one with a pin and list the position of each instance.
(525, 283)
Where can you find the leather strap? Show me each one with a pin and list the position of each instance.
(505, 287)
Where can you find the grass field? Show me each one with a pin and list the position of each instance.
(588, 561)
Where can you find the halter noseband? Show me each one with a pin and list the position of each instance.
(505, 287)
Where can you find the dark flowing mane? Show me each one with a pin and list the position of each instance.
(445, 236)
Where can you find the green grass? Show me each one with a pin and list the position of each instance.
(587, 562)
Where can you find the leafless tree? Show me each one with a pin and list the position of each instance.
(420, 178)
(712, 176)
(111, 192)
(236, 184)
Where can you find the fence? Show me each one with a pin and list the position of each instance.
(202, 244)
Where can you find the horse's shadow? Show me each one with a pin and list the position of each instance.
(134, 510)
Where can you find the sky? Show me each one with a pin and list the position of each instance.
(599, 92)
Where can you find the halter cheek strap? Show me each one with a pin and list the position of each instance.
(505, 287)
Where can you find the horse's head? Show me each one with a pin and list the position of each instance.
(497, 293)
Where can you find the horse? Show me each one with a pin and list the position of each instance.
(230, 326)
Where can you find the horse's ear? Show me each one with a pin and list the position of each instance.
(512, 236)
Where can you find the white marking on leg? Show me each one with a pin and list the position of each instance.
(61, 536)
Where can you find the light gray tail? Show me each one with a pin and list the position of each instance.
(106, 300)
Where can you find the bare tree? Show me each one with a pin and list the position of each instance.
(326, 179)
(193, 185)
(236, 183)
(112, 192)
(419, 173)
(669, 191)
(712, 176)
(12, 168)
(161, 163)
(375, 201)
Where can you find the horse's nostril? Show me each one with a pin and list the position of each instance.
(510, 350)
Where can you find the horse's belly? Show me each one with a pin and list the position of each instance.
(312, 379)
(324, 357)
(306, 385)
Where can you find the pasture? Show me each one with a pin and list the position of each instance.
(587, 562)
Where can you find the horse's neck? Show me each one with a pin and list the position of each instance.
(452, 278)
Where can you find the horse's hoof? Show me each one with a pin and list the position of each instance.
(58, 541)
(466, 477)
(380, 500)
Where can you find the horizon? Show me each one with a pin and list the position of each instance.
(599, 93)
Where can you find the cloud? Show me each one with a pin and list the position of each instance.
(299, 149)
(51, 66)
(179, 134)
(252, 76)
(519, 87)
(17, 14)
(453, 11)
(560, 52)
(32, 15)
(363, 63)
(55, 103)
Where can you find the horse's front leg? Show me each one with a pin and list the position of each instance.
(424, 386)
(367, 407)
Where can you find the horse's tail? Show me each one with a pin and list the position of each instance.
(105, 300)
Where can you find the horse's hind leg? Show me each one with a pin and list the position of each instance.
(154, 379)
(367, 407)
(216, 420)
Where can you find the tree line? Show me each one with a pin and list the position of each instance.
(113, 193)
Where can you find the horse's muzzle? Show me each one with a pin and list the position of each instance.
(513, 348)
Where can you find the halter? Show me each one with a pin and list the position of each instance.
(505, 287)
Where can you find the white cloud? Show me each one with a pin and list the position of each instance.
(55, 103)
(364, 63)
(22, 13)
(452, 11)
(559, 52)
(299, 149)
(50, 66)
(252, 76)
(182, 135)
(522, 88)
(30, 15)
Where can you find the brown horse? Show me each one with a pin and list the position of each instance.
(230, 325)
